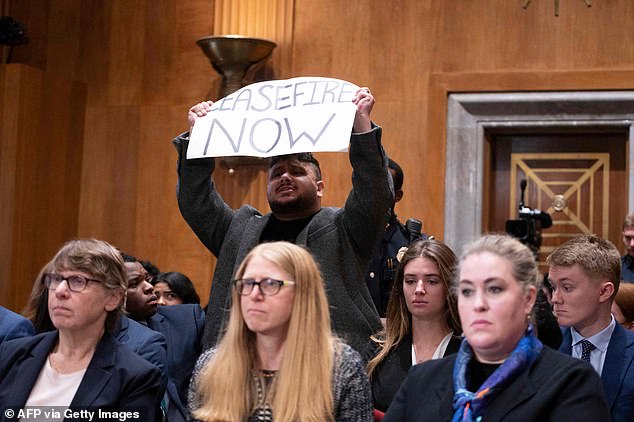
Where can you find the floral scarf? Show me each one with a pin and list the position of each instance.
(470, 407)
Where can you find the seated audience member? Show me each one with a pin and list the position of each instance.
(86, 288)
(585, 274)
(145, 342)
(623, 306)
(181, 325)
(13, 325)
(278, 359)
(627, 260)
(422, 318)
(174, 288)
(502, 371)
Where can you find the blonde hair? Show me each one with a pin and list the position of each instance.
(399, 320)
(522, 260)
(597, 257)
(302, 389)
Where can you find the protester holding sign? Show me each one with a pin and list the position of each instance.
(342, 240)
(269, 118)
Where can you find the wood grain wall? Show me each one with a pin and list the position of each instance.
(41, 132)
(142, 70)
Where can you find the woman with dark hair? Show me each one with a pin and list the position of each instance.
(79, 364)
(422, 319)
(174, 288)
(501, 371)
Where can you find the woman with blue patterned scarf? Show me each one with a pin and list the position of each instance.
(502, 372)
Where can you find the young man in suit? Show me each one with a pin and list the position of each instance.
(585, 273)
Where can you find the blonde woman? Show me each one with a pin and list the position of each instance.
(278, 359)
(501, 372)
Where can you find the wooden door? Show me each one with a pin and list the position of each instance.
(580, 179)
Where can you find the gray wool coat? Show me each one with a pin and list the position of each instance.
(342, 240)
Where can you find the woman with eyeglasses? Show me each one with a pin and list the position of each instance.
(278, 359)
(79, 365)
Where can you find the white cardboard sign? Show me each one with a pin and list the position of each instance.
(277, 117)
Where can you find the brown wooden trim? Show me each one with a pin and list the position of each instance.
(440, 85)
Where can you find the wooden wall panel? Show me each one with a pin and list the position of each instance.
(109, 175)
(161, 234)
(419, 38)
(269, 19)
(142, 71)
(42, 119)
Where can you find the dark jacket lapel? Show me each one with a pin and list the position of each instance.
(121, 333)
(443, 392)
(511, 396)
(98, 373)
(251, 238)
(30, 366)
(566, 342)
(612, 373)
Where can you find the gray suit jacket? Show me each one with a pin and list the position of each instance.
(342, 240)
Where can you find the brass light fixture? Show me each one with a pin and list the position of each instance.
(236, 59)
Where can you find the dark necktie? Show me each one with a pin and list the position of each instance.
(586, 348)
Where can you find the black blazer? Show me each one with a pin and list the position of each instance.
(555, 388)
(116, 377)
(392, 371)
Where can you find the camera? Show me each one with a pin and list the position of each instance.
(528, 227)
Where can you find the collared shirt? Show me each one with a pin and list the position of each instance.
(439, 353)
(627, 268)
(600, 340)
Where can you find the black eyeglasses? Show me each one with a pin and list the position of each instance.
(75, 283)
(268, 286)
